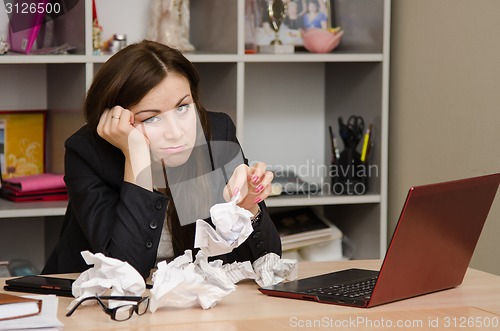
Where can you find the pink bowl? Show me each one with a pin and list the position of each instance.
(321, 41)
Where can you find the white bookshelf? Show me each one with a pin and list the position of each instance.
(282, 104)
(322, 200)
(10, 209)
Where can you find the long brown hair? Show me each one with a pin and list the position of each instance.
(124, 80)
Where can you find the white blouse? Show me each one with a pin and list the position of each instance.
(165, 248)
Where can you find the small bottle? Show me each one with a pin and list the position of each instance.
(122, 40)
(118, 42)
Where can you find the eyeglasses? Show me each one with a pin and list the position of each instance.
(120, 313)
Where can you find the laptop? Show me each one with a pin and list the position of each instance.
(430, 249)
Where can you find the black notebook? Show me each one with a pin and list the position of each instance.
(40, 285)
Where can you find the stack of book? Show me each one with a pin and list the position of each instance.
(29, 312)
(12, 306)
(303, 227)
(42, 187)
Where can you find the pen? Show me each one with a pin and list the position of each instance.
(335, 151)
(370, 141)
(332, 144)
(336, 147)
(366, 142)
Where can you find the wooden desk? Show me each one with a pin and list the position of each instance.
(472, 306)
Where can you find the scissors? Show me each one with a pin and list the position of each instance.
(352, 132)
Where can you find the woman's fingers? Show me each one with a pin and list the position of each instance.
(252, 183)
(237, 183)
(115, 125)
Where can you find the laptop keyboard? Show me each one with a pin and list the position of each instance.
(348, 290)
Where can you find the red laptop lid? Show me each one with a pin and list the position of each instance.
(435, 238)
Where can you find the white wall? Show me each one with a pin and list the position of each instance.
(4, 23)
(444, 102)
(115, 12)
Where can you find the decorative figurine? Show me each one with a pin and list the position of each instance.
(96, 37)
(96, 31)
(169, 24)
(4, 46)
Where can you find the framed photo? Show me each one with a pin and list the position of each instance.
(300, 14)
(22, 143)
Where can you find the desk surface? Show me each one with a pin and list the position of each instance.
(475, 305)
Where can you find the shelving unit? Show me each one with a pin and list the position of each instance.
(282, 104)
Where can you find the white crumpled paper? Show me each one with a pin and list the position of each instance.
(232, 227)
(107, 273)
(185, 282)
(270, 269)
(182, 283)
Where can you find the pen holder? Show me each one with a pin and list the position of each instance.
(349, 175)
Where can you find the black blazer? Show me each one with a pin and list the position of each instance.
(122, 220)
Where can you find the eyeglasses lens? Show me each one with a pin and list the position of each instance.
(142, 306)
(124, 312)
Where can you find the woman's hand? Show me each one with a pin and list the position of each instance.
(116, 126)
(253, 183)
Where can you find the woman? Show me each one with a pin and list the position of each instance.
(128, 169)
(293, 19)
(314, 18)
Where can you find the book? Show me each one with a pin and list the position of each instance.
(14, 192)
(41, 187)
(13, 306)
(46, 320)
(32, 183)
(302, 227)
(34, 197)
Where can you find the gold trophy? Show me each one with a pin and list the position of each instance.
(276, 10)
(277, 14)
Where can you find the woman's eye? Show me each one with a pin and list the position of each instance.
(151, 120)
(183, 108)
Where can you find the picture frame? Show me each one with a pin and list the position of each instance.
(300, 14)
(22, 143)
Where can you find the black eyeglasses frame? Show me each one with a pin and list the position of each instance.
(112, 311)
